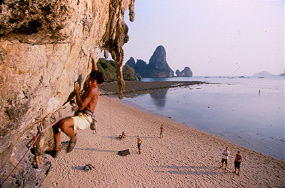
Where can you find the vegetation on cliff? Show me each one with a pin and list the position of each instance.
(108, 68)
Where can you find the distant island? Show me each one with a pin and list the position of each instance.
(186, 72)
(157, 66)
(264, 74)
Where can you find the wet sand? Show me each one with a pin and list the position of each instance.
(185, 157)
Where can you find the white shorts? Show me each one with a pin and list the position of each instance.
(82, 121)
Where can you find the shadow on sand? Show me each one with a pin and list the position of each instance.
(189, 170)
(78, 167)
(98, 150)
(116, 137)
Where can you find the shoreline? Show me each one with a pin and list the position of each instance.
(183, 123)
(185, 157)
(159, 98)
(133, 88)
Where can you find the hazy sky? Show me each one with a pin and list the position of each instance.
(212, 37)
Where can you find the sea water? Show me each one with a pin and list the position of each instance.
(246, 111)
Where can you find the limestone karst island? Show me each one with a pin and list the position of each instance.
(157, 66)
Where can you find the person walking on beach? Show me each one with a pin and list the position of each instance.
(84, 116)
(225, 157)
(161, 131)
(139, 141)
(237, 162)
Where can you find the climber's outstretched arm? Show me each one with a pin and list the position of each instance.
(94, 64)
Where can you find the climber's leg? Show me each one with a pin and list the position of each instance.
(66, 125)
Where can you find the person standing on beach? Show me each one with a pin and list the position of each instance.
(86, 106)
(237, 162)
(225, 157)
(139, 141)
(161, 131)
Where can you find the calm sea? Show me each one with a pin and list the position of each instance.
(245, 111)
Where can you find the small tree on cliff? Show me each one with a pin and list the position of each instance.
(108, 68)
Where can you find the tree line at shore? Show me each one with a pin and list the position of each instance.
(108, 68)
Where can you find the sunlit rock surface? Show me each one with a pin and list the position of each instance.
(44, 48)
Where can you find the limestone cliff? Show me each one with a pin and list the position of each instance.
(44, 48)
(140, 67)
(186, 72)
(157, 67)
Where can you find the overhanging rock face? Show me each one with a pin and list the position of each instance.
(44, 48)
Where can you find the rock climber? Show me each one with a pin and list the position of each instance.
(86, 106)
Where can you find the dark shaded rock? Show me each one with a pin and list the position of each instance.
(158, 65)
(131, 62)
(178, 73)
(25, 175)
(141, 68)
(37, 23)
(186, 72)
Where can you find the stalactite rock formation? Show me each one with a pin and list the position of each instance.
(44, 48)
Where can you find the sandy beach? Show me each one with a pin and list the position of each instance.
(185, 157)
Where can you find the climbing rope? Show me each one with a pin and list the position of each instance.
(40, 132)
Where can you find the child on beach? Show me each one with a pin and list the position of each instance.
(225, 157)
(161, 131)
(123, 135)
(237, 162)
(139, 141)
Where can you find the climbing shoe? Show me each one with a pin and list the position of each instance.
(52, 153)
(71, 145)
